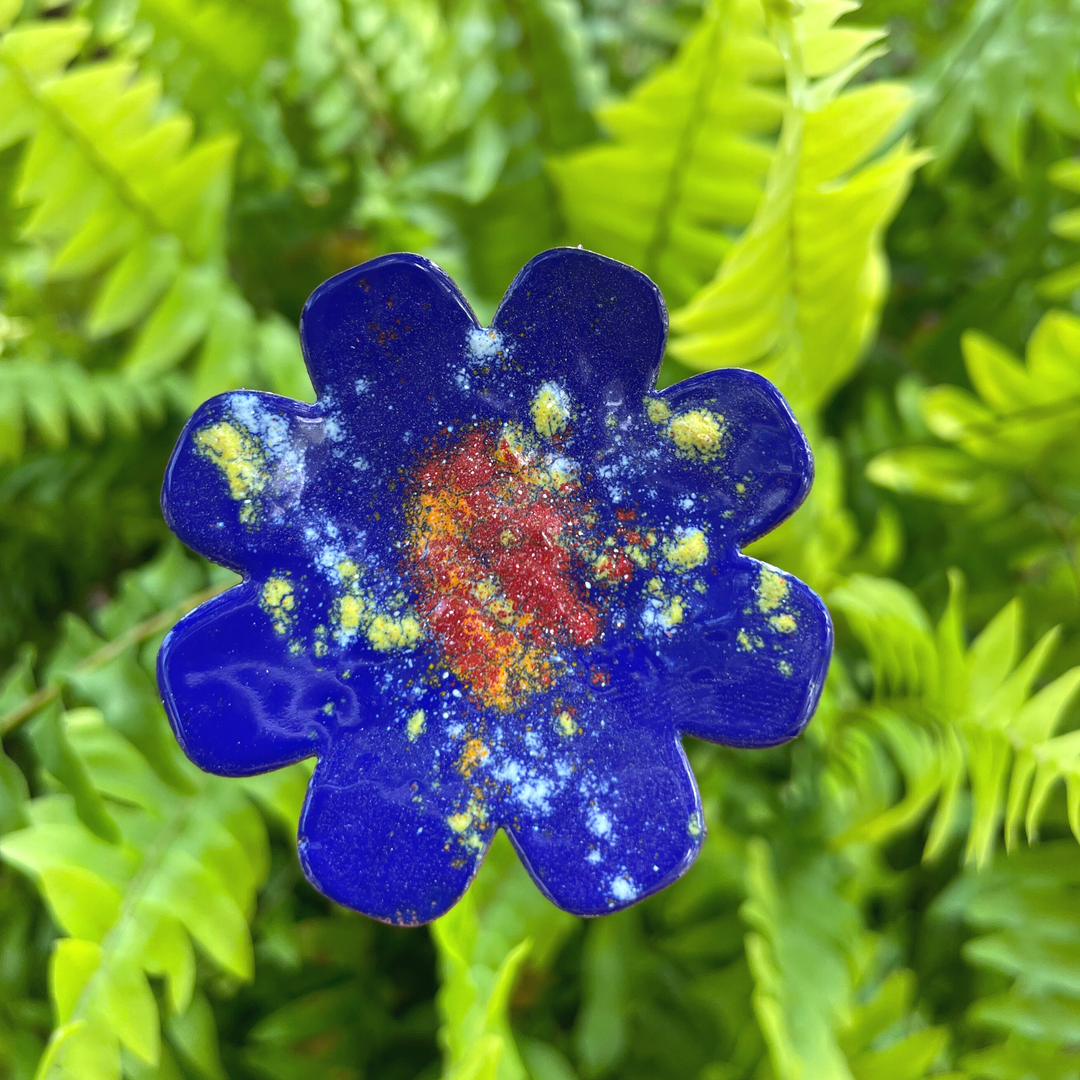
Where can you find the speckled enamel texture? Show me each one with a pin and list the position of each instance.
(490, 579)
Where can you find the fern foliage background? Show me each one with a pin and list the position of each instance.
(875, 207)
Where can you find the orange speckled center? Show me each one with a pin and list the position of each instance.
(494, 551)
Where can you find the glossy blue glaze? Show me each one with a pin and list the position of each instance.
(337, 644)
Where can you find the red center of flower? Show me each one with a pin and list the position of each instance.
(495, 551)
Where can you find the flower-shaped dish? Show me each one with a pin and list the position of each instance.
(490, 579)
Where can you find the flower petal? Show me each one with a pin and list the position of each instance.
(577, 317)
(625, 831)
(239, 470)
(748, 666)
(386, 344)
(765, 467)
(238, 701)
(374, 834)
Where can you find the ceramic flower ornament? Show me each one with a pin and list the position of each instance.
(490, 579)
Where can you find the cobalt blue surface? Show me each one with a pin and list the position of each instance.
(490, 579)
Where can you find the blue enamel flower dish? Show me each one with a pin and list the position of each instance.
(490, 579)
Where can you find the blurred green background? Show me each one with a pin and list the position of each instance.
(876, 208)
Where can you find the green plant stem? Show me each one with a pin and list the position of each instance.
(106, 654)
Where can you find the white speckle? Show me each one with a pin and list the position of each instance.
(485, 344)
(593, 856)
(333, 430)
(362, 386)
(534, 794)
(599, 822)
(622, 888)
(509, 772)
(276, 438)
(361, 464)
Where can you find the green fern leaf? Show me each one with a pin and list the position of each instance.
(119, 195)
(817, 232)
(482, 943)
(138, 855)
(215, 57)
(687, 157)
(1023, 911)
(50, 395)
(953, 717)
(1011, 60)
(1061, 284)
(1019, 417)
(186, 866)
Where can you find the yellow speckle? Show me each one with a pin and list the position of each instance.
(567, 725)
(740, 488)
(657, 411)
(784, 623)
(637, 555)
(772, 590)
(278, 593)
(350, 612)
(416, 725)
(689, 551)
(239, 456)
(278, 601)
(693, 826)
(698, 433)
(386, 633)
(672, 614)
(472, 756)
(550, 410)
(470, 824)
(655, 586)
(748, 642)
(513, 446)
(320, 648)
(785, 668)
(700, 586)
(347, 570)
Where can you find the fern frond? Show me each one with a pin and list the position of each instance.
(687, 156)
(1061, 284)
(116, 188)
(137, 854)
(501, 923)
(802, 949)
(1012, 60)
(186, 867)
(817, 233)
(49, 396)
(1024, 913)
(1020, 416)
(214, 57)
(436, 61)
(958, 718)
